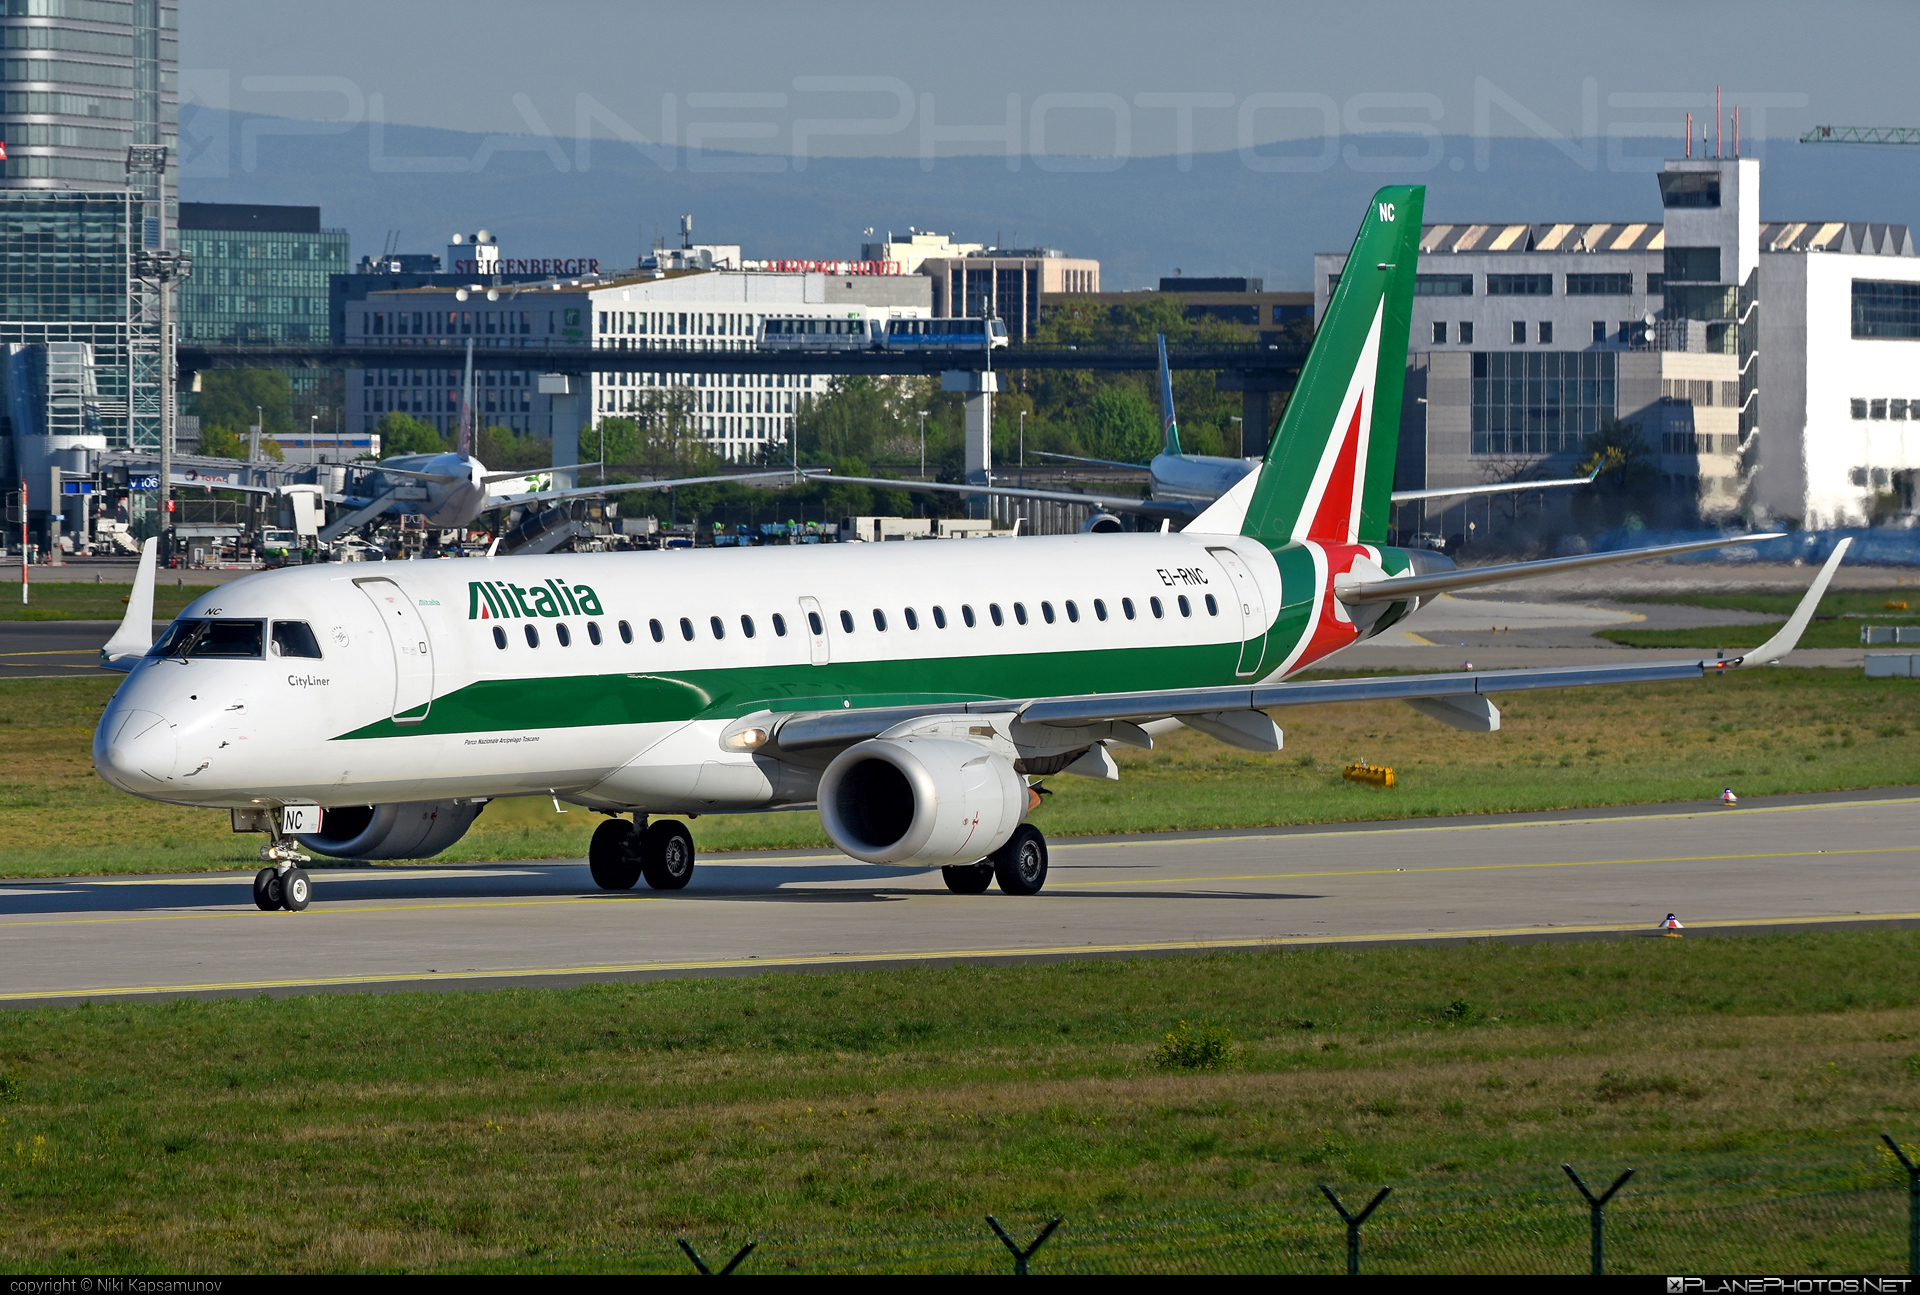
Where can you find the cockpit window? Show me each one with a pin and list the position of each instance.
(223, 639)
(294, 638)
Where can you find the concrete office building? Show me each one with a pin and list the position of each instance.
(738, 414)
(1751, 354)
(1011, 283)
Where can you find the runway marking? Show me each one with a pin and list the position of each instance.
(51, 652)
(241, 878)
(830, 959)
(1490, 867)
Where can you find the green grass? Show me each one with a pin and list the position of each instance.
(1836, 633)
(1763, 732)
(71, 600)
(1840, 602)
(870, 1119)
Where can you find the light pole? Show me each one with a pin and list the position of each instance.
(923, 445)
(1239, 438)
(160, 266)
(1023, 447)
(313, 435)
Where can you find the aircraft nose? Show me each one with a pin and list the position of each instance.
(136, 750)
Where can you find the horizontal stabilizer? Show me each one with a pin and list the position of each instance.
(1397, 589)
(1503, 488)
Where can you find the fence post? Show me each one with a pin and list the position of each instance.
(1353, 1222)
(1913, 1205)
(1020, 1256)
(701, 1264)
(1598, 1205)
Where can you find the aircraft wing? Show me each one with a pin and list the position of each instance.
(492, 477)
(1105, 463)
(1503, 488)
(1175, 509)
(624, 487)
(1433, 694)
(444, 478)
(1392, 590)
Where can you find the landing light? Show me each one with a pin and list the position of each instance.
(745, 740)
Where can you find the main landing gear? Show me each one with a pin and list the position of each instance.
(283, 883)
(621, 853)
(1020, 866)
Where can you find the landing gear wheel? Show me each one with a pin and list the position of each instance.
(666, 855)
(1021, 864)
(296, 890)
(262, 884)
(610, 855)
(968, 878)
(276, 892)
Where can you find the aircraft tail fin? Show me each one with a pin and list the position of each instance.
(1169, 428)
(1329, 473)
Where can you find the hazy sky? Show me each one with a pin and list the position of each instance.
(845, 77)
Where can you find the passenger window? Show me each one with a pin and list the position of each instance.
(294, 638)
(779, 625)
(1020, 612)
(746, 625)
(718, 626)
(993, 610)
(1126, 605)
(1073, 611)
(1046, 612)
(686, 629)
(1213, 608)
(913, 619)
(499, 638)
(659, 635)
(593, 633)
(1158, 610)
(939, 618)
(813, 620)
(564, 634)
(966, 614)
(880, 620)
(626, 632)
(846, 621)
(533, 637)
(1186, 608)
(1099, 609)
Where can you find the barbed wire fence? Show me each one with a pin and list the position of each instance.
(1821, 1209)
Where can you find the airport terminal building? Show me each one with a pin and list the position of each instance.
(1772, 367)
(667, 311)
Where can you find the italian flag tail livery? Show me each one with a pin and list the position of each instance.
(1328, 474)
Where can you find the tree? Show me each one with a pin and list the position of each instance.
(504, 449)
(1119, 424)
(229, 398)
(403, 434)
(1627, 487)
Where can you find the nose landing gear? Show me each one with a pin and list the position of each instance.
(283, 883)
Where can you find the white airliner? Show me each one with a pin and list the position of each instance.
(911, 692)
(1180, 485)
(452, 489)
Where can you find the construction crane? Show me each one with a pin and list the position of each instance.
(1862, 135)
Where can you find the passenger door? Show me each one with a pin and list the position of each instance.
(1253, 610)
(412, 651)
(816, 630)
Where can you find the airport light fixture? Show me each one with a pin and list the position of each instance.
(160, 267)
(923, 445)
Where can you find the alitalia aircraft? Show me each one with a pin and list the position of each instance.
(913, 693)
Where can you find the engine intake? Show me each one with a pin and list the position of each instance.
(416, 830)
(920, 800)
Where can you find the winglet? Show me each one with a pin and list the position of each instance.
(135, 635)
(1782, 643)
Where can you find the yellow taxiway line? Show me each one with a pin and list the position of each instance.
(916, 955)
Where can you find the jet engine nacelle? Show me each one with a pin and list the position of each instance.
(417, 830)
(921, 800)
(1102, 524)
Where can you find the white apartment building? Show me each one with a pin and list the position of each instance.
(669, 312)
(1773, 366)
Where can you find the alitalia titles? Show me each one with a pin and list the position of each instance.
(503, 600)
